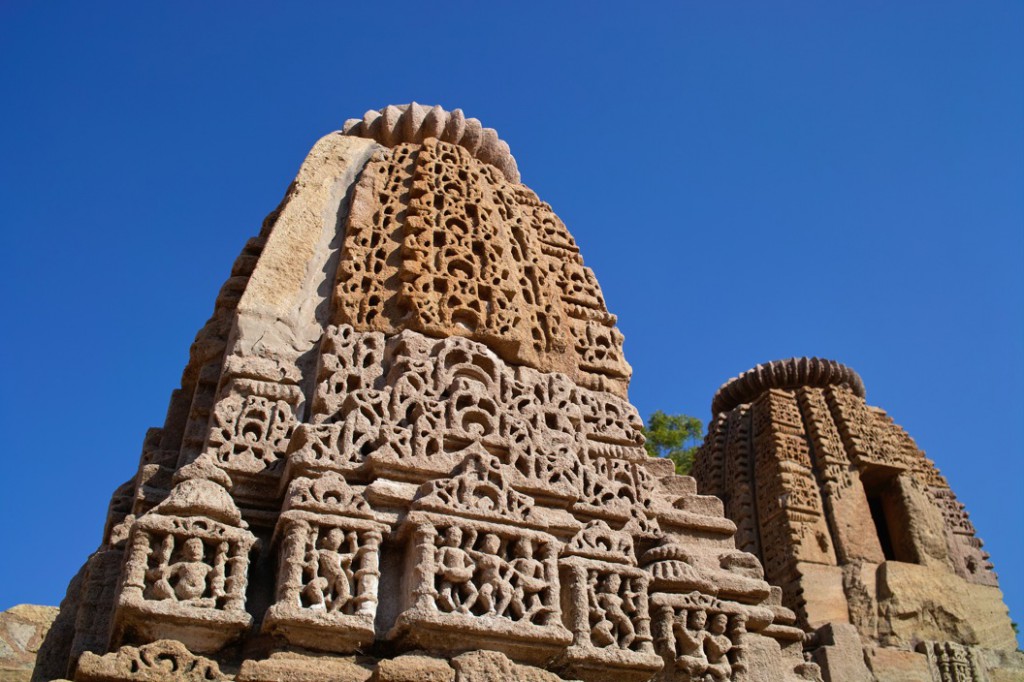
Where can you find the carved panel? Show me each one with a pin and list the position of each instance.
(439, 242)
(328, 566)
(185, 576)
(481, 585)
(702, 638)
(605, 607)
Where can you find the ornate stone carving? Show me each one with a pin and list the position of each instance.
(413, 392)
(702, 638)
(605, 603)
(329, 566)
(186, 569)
(826, 490)
(441, 243)
(481, 585)
(791, 373)
(154, 662)
(952, 662)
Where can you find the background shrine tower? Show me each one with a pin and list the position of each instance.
(856, 525)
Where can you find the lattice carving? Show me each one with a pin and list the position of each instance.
(186, 569)
(250, 430)
(443, 244)
(479, 489)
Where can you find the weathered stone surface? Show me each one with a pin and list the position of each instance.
(917, 602)
(157, 661)
(22, 630)
(491, 666)
(414, 668)
(840, 654)
(897, 665)
(295, 667)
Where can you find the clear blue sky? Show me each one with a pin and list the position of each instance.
(750, 181)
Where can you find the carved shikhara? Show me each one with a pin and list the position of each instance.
(405, 429)
(845, 506)
(442, 243)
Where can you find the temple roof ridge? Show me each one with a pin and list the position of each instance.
(788, 373)
(412, 123)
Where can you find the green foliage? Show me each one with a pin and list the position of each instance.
(676, 436)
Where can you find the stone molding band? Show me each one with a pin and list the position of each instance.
(791, 373)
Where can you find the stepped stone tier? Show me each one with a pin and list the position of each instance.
(402, 450)
(872, 550)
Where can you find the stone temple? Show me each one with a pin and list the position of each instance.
(402, 451)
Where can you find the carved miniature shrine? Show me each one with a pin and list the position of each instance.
(402, 450)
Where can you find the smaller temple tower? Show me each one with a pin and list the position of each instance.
(858, 527)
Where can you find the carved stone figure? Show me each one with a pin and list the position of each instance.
(186, 579)
(614, 626)
(455, 569)
(331, 589)
(528, 581)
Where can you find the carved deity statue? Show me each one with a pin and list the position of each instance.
(614, 626)
(455, 568)
(185, 580)
(332, 568)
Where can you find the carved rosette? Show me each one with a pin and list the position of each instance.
(328, 568)
(186, 570)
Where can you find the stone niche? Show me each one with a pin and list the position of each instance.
(186, 569)
(328, 567)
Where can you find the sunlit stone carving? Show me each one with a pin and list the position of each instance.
(402, 449)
